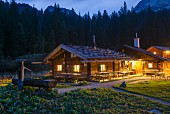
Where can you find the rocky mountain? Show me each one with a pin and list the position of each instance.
(63, 10)
(155, 5)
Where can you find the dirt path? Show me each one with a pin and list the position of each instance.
(144, 96)
(101, 85)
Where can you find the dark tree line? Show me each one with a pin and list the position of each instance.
(25, 30)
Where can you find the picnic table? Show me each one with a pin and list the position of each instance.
(123, 73)
(101, 76)
(126, 73)
(160, 75)
(150, 71)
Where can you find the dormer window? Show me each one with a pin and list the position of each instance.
(154, 53)
(73, 56)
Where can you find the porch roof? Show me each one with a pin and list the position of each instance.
(147, 53)
(89, 53)
(160, 48)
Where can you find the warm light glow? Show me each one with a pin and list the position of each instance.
(154, 53)
(133, 64)
(150, 65)
(76, 68)
(167, 52)
(59, 67)
(103, 68)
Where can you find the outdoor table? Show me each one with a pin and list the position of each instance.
(102, 75)
(117, 73)
(112, 75)
(68, 76)
(161, 75)
(76, 75)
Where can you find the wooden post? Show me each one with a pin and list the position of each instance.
(65, 61)
(113, 66)
(21, 75)
(119, 66)
(88, 71)
(53, 69)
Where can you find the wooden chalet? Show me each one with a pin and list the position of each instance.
(155, 58)
(86, 61)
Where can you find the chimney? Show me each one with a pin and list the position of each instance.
(136, 41)
(94, 42)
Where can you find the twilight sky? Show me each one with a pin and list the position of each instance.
(83, 6)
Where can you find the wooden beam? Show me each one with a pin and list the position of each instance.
(57, 54)
(36, 62)
(53, 69)
(113, 66)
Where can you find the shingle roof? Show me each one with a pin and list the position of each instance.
(147, 53)
(161, 48)
(88, 53)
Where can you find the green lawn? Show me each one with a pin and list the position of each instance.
(158, 89)
(78, 101)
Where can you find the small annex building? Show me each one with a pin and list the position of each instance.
(87, 60)
(153, 59)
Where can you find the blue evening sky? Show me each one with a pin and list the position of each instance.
(83, 6)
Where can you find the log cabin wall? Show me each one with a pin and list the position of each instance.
(154, 65)
(166, 67)
(68, 62)
(116, 66)
(96, 67)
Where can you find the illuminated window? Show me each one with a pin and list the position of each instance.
(154, 53)
(103, 68)
(59, 67)
(133, 64)
(76, 68)
(167, 52)
(150, 65)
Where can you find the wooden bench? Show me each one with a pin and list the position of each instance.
(151, 72)
(168, 77)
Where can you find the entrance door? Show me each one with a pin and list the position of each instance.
(116, 66)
